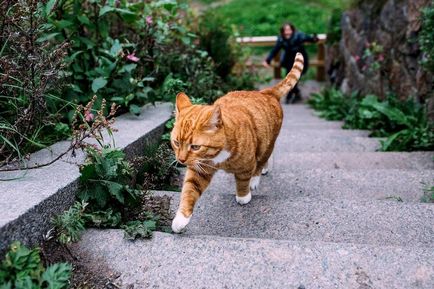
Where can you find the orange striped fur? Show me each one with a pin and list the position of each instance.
(237, 134)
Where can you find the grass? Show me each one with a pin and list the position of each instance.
(264, 17)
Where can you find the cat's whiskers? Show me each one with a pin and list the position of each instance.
(199, 167)
(206, 164)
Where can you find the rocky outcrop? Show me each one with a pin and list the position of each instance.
(379, 53)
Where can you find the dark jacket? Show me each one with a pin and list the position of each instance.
(290, 47)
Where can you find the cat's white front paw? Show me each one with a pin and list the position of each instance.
(254, 182)
(244, 200)
(264, 171)
(180, 222)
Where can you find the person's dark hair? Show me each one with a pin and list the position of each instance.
(282, 28)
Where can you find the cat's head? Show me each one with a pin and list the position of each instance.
(198, 133)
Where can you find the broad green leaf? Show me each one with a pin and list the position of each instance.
(87, 172)
(115, 190)
(135, 109)
(57, 276)
(105, 10)
(128, 68)
(49, 6)
(84, 19)
(118, 99)
(63, 24)
(116, 48)
(385, 144)
(98, 83)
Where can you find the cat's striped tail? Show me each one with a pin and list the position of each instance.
(287, 84)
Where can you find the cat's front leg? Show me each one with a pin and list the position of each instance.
(243, 194)
(194, 185)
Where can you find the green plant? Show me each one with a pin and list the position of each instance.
(105, 179)
(22, 268)
(332, 104)
(373, 57)
(404, 124)
(71, 224)
(29, 81)
(216, 37)
(428, 196)
(157, 167)
(334, 29)
(140, 229)
(426, 39)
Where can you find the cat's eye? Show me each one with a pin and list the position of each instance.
(195, 147)
(176, 143)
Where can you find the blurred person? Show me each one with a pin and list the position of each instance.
(291, 41)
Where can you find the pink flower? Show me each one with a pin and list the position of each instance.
(381, 57)
(356, 58)
(88, 116)
(149, 20)
(133, 57)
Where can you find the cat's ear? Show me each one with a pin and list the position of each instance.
(182, 101)
(214, 120)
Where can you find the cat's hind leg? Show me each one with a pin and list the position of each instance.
(243, 194)
(268, 166)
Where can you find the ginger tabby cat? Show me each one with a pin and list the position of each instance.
(237, 134)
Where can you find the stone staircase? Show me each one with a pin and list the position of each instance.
(332, 213)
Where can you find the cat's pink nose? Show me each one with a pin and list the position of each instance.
(181, 160)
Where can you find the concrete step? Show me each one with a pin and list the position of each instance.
(349, 160)
(324, 140)
(170, 261)
(313, 219)
(296, 125)
(371, 184)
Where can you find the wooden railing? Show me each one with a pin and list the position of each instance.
(269, 41)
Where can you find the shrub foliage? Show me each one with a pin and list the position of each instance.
(404, 124)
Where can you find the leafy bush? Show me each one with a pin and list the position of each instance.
(216, 37)
(404, 124)
(157, 168)
(334, 29)
(71, 224)
(332, 104)
(22, 268)
(105, 179)
(139, 229)
(426, 39)
(112, 47)
(110, 194)
(29, 82)
(127, 52)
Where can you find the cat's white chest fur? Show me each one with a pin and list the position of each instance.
(221, 157)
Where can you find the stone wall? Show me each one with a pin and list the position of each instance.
(393, 25)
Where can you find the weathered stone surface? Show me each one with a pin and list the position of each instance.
(394, 25)
(286, 217)
(29, 202)
(324, 141)
(169, 261)
(371, 184)
(354, 161)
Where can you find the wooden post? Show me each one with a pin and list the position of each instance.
(277, 68)
(320, 70)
